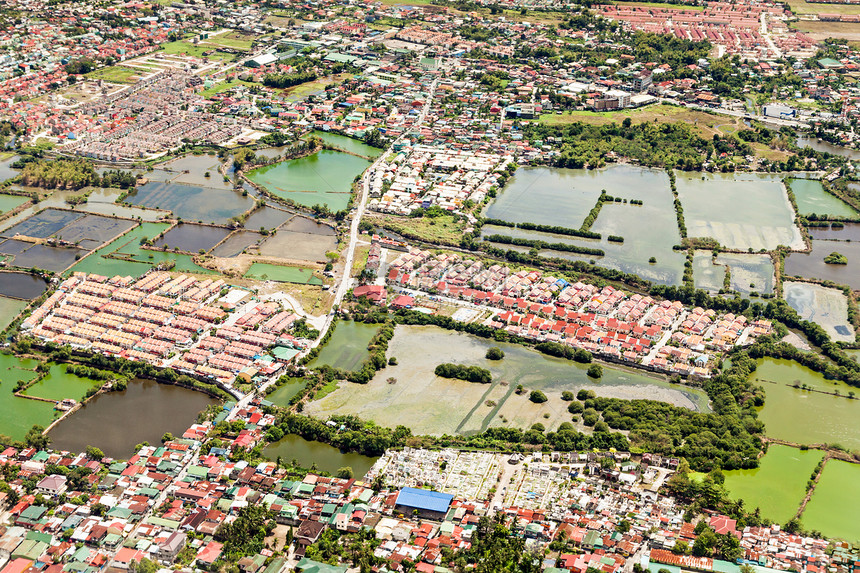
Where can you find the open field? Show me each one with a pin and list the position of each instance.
(301, 91)
(824, 30)
(190, 49)
(224, 86)
(803, 7)
(441, 229)
(115, 74)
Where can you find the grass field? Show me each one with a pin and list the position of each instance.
(301, 91)
(197, 51)
(441, 230)
(706, 123)
(234, 41)
(823, 30)
(803, 7)
(114, 74)
(223, 87)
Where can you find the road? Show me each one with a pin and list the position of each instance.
(364, 193)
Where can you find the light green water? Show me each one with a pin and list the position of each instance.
(285, 392)
(59, 385)
(749, 272)
(835, 504)
(347, 347)
(778, 485)
(811, 197)
(349, 144)
(283, 274)
(323, 456)
(9, 202)
(802, 416)
(99, 264)
(9, 309)
(324, 178)
(20, 414)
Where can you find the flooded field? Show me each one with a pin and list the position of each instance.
(349, 144)
(812, 264)
(192, 202)
(322, 456)
(282, 274)
(811, 197)
(10, 202)
(236, 243)
(324, 178)
(347, 347)
(740, 211)
(192, 170)
(21, 285)
(192, 238)
(778, 485)
(434, 405)
(803, 416)
(826, 306)
(835, 505)
(103, 202)
(267, 218)
(117, 421)
(20, 414)
(100, 261)
(849, 232)
(749, 272)
(565, 196)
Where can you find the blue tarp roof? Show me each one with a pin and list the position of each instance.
(424, 499)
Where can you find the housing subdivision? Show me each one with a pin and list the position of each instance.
(636, 329)
(191, 325)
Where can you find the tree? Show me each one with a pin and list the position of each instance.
(167, 437)
(145, 566)
(595, 371)
(344, 473)
(35, 439)
(94, 453)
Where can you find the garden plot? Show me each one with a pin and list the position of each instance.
(739, 211)
(824, 306)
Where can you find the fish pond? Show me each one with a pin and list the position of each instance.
(116, 421)
(20, 414)
(778, 485)
(812, 265)
(9, 309)
(192, 238)
(58, 385)
(410, 393)
(748, 272)
(282, 274)
(323, 178)
(835, 504)
(267, 217)
(812, 416)
(847, 232)
(192, 202)
(820, 145)
(563, 197)
(741, 211)
(318, 454)
(10, 202)
(286, 391)
(21, 285)
(349, 144)
(346, 349)
(811, 197)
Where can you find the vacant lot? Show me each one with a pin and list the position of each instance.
(803, 7)
(115, 74)
(823, 30)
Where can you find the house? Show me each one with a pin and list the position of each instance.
(208, 554)
(374, 293)
(170, 547)
(52, 485)
(307, 534)
(310, 566)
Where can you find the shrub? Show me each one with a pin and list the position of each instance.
(495, 353)
(595, 371)
(575, 408)
(537, 397)
(567, 396)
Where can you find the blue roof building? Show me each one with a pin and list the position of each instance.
(429, 504)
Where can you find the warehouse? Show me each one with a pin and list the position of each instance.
(429, 504)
